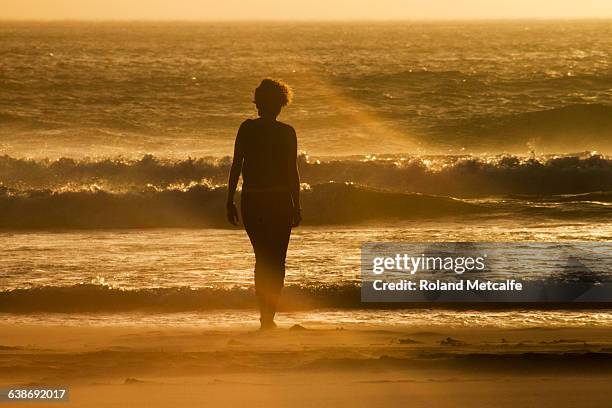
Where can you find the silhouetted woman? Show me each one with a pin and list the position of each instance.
(265, 152)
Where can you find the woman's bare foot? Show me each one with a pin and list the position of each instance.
(267, 324)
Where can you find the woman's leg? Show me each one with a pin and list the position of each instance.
(265, 218)
(258, 237)
(272, 277)
(270, 245)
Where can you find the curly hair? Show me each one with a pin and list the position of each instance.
(271, 95)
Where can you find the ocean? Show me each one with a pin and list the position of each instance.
(115, 141)
(182, 89)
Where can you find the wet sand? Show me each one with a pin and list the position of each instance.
(300, 366)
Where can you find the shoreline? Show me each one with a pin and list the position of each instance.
(395, 319)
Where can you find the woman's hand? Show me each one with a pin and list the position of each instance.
(297, 217)
(232, 214)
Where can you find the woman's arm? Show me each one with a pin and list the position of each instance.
(294, 180)
(232, 184)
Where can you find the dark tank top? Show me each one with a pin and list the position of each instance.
(268, 147)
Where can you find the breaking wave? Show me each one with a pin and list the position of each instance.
(91, 298)
(204, 206)
(100, 298)
(456, 176)
(154, 192)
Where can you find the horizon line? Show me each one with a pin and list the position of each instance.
(297, 20)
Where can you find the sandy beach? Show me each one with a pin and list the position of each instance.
(325, 366)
